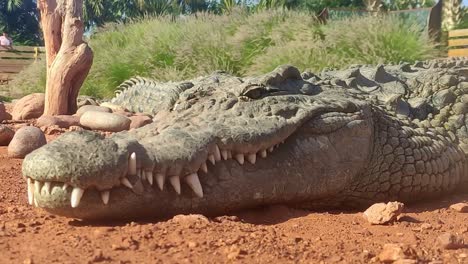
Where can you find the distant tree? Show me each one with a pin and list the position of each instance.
(407, 4)
(19, 18)
(98, 12)
(452, 14)
(318, 5)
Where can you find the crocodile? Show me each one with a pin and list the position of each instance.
(336, 139)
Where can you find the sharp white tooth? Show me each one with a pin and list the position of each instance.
(30, 191)
(160, 180)
(132, 168)
(252, 158)
(76, 195)
(204, 168)
(37, 186)
(270, 149)
(263, 153)
(139, 173)
(211, 158)
(224, 153)
(149, 177)
(105, 197)
(126, 182)
(175, 182)
(217, 154)
(35, 202)
(46, 187)
(194, 183)
(240, 158)
(65, 186)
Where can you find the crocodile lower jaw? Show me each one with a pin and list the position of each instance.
(35, 187)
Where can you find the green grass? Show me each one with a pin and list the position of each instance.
(241, 44)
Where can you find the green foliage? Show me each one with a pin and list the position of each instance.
(463, 23)
(318, 5)
(407, 4)
(242, 44)
(19, 19)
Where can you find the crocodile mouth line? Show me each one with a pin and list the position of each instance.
(149, 175)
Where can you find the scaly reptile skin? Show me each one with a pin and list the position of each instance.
(221, 143)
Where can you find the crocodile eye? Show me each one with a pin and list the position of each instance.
(255, 92)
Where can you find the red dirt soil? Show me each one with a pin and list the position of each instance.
(272, 234)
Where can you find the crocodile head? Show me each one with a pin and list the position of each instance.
(226, 143)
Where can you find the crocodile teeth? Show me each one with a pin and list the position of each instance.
(252, 158)
(132, 168)
(76, 195)
(160, 180)
(270, 149)
(217, 154)
(139, 173)
(149, 177)
(211, 158)
(240, 158)
(194, 183)
(224, 153)
(46, 187)
(263, 153)
(175, 182)
(30, 192)
(65, 186)
(204, 168)
(105, 197)
(126, 182)
(37, 186)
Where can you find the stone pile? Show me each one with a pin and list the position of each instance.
(30, 134)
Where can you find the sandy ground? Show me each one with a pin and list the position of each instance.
(275, 234)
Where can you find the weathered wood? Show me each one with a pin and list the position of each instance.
(6, 68)
(458, 33)
(22, 55)
(457, 52)
(68, 57)
(458, 42)
(15, 62)
(23, 49)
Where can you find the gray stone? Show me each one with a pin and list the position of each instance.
(104, 121)
(94, 108)
(86, 100)
(26, 140)
(28, 107)
(6, 135)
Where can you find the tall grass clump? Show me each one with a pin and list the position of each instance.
(166, 49)
(359, 40)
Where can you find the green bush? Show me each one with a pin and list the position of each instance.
(241, 44)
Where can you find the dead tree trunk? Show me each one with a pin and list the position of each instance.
(68, 57)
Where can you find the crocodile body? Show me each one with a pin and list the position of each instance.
(221, 143)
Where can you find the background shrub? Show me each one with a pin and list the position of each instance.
(239, 43)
